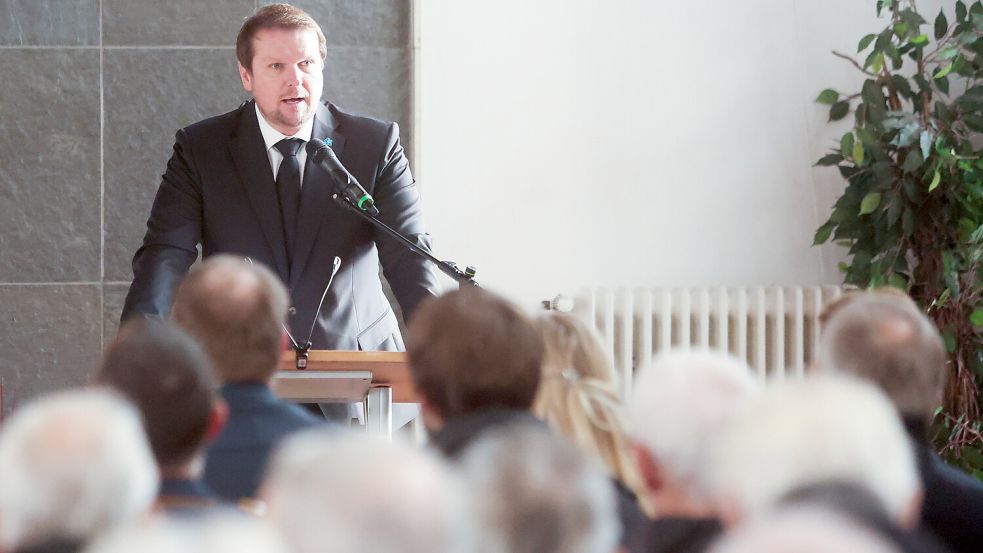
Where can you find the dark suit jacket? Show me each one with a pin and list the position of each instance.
(257, 422)
(218, 191)
(953, 505)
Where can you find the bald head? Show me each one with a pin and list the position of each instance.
(235, 310)
(887, 340)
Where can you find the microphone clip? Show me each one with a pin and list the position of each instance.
(301, 356)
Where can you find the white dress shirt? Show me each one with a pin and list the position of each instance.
(271, 136)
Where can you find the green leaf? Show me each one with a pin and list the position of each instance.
(943, 71)
(878, 64)
(941, 25)
(822, 234)
(839, 111)
(977, 318)
(977, 235)
(935, 181)
(846, 144)
(948, 53)
(897, 281)
(858, 153)
(901, 29)
(974, 122)
(950, 272)
(950, 341)
(942, 84)
(829, 160)
(828, 96)
(870, 203)
(972, 455)
(925, 141)
(865, 42)
(920, 40)
(908, 222)
(960, 11)
(912, 162)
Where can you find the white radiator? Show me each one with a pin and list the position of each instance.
(774, 329)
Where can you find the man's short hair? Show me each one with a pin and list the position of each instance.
(329, 491)
(821, 429)
(887, 340)
(471, 350)
(236, 311)
(536, 492)
(664, 414)
(275, 16)
(72, 465)
(166, 375)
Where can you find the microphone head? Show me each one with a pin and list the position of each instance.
(316, 148)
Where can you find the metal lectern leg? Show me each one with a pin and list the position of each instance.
(379, 418)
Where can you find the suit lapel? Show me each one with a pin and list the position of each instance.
(256, 176)
(315, 196)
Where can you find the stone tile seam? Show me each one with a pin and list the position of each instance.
(81, 283)
(179, 47)
(102, 181)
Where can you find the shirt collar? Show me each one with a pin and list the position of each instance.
(271, 136)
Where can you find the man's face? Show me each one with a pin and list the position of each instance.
(285, 78)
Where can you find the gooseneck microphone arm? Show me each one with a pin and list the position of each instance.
(350, 195)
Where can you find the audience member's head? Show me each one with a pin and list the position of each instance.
(72, 465)
(678, 406)
(803, 530)
(886, 339)
(329, 491)
(167, 376)
(579, 394)
(236, 311)
(216, 533)
(823, 429)
(471, 350)
(535, 492)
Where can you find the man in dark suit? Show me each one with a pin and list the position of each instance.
(885, 338)
(240, 183)
(235, 310)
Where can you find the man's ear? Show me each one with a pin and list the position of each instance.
(247, 78)
(432, 419)
(217, 417)
(913, 512)
(648, 468)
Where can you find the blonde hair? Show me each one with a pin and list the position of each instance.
(578, 395)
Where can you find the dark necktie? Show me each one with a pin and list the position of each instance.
(288, 189)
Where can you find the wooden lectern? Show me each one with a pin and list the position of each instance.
(375, 377)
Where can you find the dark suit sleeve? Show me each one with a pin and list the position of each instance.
(173, 232)
(412, 278)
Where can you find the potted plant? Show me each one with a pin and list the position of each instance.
(912, 210)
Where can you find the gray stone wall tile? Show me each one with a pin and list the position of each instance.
(113, 296)
(49, 179)
(142, 115)
(49, 22)
(377, 23)
(370, 81)
(174, 22)
(50, 336)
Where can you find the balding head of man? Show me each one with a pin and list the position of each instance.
(236, 311)
(885, 339)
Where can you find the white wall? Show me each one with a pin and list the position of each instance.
(572, 143)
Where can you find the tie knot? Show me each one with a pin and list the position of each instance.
(289, 146)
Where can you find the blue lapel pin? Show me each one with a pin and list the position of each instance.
(328, 140)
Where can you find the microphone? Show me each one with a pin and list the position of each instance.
(324, 158)
(302, 349)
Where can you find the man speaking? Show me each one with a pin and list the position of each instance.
(241, 183)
